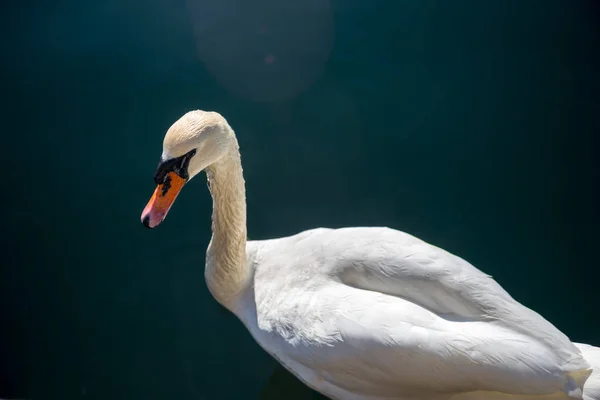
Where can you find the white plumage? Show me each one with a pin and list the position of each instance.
(369, 313)
(374, 313)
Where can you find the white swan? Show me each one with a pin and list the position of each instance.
(367, 313)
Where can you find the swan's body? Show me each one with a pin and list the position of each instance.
(368, 313)
(374, 313)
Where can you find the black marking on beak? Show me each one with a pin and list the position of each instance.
(146, 221)
(166, 185)
(178, 165)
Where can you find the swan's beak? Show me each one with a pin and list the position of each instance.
(163, 198)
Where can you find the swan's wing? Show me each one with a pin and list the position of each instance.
(398, 264)
(417, 347)
(383, 346)
(379, 305)
(410, 307)
(395, 263)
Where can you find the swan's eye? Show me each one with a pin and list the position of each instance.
(178, 165)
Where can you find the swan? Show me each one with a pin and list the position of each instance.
(366, 313)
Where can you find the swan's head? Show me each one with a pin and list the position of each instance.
(192, 143)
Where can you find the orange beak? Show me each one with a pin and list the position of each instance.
(163, 198)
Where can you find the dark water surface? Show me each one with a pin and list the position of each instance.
(473, 125)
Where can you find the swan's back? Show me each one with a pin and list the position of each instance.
(379, 305)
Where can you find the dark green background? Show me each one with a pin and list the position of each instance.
(471, 124)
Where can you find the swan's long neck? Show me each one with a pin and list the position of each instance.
(227, 273)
